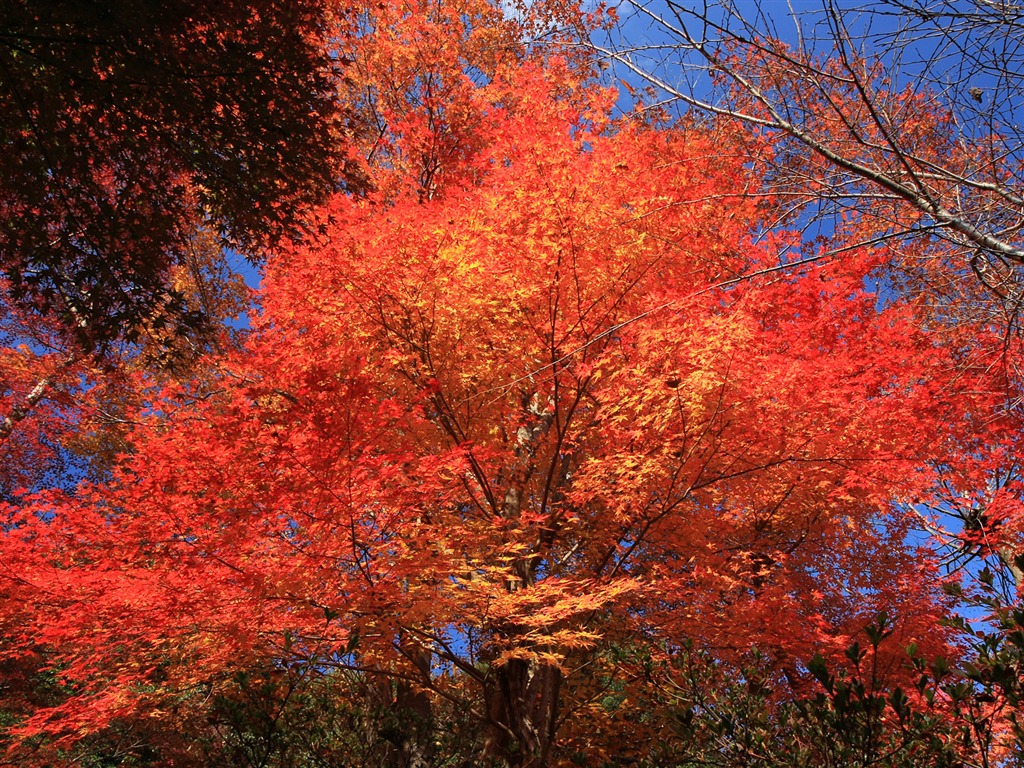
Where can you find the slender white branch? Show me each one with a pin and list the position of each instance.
(37, 394)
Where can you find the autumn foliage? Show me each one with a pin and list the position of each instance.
(535, 422)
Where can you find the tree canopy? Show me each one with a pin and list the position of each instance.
(555, 443)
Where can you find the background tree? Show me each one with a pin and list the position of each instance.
(906, 112)
(67, 415)
(897, 125)
(712, 714)
(127, 126)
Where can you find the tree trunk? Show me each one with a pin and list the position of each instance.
(523, 707)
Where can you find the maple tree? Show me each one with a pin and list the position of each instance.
(495, 426)
(548, 433)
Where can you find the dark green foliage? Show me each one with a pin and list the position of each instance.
(844, 716)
